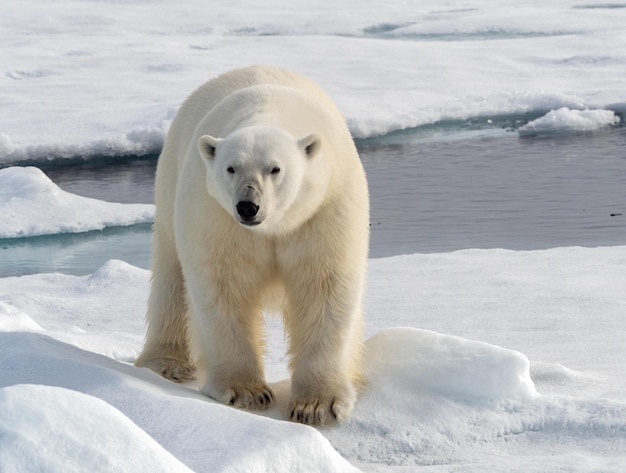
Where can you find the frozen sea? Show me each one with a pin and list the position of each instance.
(494, 142)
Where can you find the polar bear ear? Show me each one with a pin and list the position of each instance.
(206, 146)
(310, 145)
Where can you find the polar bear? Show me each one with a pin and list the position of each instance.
(261, 205)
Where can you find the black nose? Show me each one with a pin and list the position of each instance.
(247, 210)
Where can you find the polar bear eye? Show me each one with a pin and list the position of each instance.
(275, 170)
(230, 170)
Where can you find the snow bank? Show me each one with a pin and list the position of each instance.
(426, 361)
(46, 428)
(32, 205)
(564, 120)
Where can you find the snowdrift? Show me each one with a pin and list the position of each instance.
(91, 428)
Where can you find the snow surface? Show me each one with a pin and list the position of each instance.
(84, 78)
(517, 366)
(32, 205)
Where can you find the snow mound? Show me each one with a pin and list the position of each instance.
(13, 319)
(565, 120)
(426, 361)
(32, 205)
(86, 311)
(44, 426)
(434, 399)
(115, 275)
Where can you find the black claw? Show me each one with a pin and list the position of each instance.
(231, 401)
(268, 397)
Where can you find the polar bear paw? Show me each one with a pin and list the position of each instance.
(172, 369)
(251, 395)
(320, 411)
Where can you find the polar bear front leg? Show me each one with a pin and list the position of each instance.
(166, 350)
(324, 326)
(226, 345)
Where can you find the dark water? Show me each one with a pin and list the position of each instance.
(484, 192)
(498, 193)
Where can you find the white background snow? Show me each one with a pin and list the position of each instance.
(106, 77)
(479, 360)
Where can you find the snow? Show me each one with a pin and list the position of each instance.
(101, 79)
(447, 365)
(58, 302)
(565, 120)
(32, 205)
(517, 365)
(47, 426)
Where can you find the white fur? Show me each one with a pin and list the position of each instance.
(274, 139)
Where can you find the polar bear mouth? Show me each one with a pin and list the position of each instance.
(250, 224)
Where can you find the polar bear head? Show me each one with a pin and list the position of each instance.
(265, 178)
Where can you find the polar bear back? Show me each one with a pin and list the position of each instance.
(208, 95)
